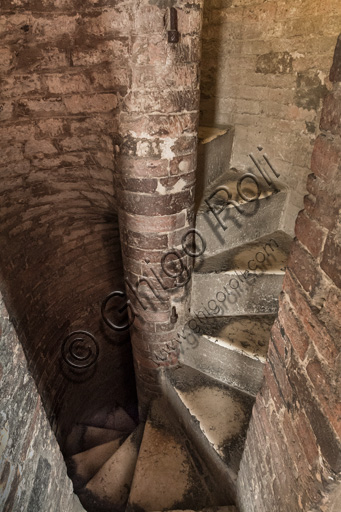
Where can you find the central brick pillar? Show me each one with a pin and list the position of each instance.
(155, 182)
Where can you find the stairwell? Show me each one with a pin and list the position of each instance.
(218, 406)
(185, 454)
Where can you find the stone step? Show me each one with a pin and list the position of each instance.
(166, 476)
(215, 418)
(270, 216)
(265, 255)
(235, 293)
(84, 437)
(112, 417)
(83, 466)
(110, 487)
(230, 349)
(214, 154)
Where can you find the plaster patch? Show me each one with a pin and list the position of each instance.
(167, 152)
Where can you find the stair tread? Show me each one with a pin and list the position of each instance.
(230, 227)
(248, 334)
(112, 417)
(208, 133)
(264, 255)
(84, 437)
(83, 466)
(221, 412)
(165, 476)
(229, 179)
(109, 488)
(233, 294)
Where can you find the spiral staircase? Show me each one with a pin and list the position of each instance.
(187, 453)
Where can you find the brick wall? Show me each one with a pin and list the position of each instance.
(32, 470)
(265, 71)
(64, 75)
(292, 459)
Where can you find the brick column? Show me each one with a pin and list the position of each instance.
(155, 182)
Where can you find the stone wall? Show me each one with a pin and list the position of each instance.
(155, 180)
(64, 74)
(292, 460)
(265, 71)
(32, 470)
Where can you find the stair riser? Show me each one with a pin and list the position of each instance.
(218, 470)
(261, 218)
(227, 294)
(226, 365)
(213, 160)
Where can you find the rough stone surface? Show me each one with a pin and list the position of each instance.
(110, 486)
(215, 418)
(292, 459)
(32, 469)
(230, 349)
(229, 293)
(168, 474)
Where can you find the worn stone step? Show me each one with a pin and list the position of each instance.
(113, 417)
(235, 293)
(83, 437)
(230, 349)
(83, 466)
(109, 489)
(265, 255)
(214, 154)
(215, 418)
(270, 216)
(166, 476)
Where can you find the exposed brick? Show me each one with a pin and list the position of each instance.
(96, 103)
(326, 438)
(163, 101)
(160, 224)
(279, 372)
(326, 389)
(278, 339)
(324, 208)
(305, 268)
(304, 359)
(293, 329)
(330, 314)
(314, 329)
(307, 438)
(148, 205)
(310, 234)
(331, 262)
(142, 167)
(331, 113)
(335, 72)
(273, 387)
(326, 158)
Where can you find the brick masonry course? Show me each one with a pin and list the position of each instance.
(296, 423)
